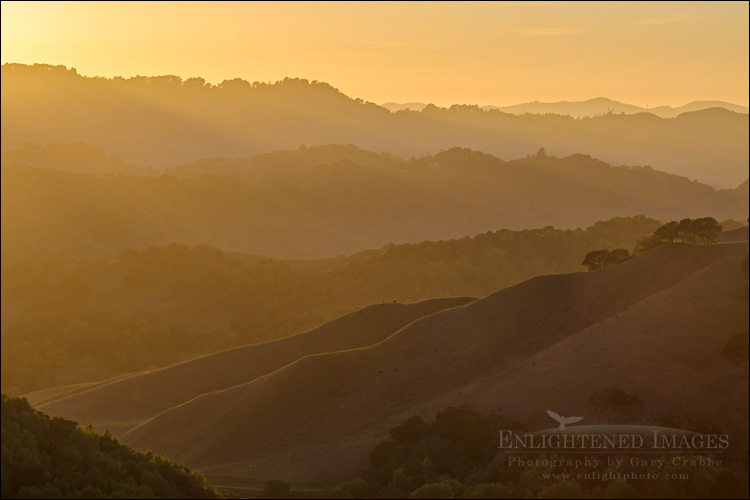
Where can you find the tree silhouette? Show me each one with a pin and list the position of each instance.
(645, 244)
(601, 259)
(595, 260)
(707, 229)
(686, 231)
(617, 256)
(668, 232)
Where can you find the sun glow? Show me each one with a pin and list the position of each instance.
(497, 53)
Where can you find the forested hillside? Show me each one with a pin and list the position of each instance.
(47, 457)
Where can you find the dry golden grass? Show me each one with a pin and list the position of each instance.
(655, 324)
(122, 402)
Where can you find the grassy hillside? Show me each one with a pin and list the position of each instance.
(65, 323)
(320, 202)
(160, 121)
(123, 402)
(54, 458)
(655, 325)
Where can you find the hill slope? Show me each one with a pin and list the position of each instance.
(124, 402)
(316, 419)
(161, 121)
(66, 323)
(739, 234)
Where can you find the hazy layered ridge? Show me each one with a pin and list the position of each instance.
(590, 107)
(161, 121)
(122, 403)
(322, 202)
(654, 325)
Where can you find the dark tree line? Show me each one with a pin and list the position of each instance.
(45, 457)
(705, 230)
(456, 456)
(600, 259)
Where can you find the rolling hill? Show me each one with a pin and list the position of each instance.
(121, 403)
(325, 201)
(739, 234)
(654, 325)
(73, 322)
(161, 121)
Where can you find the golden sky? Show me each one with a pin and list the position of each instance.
(643, 53)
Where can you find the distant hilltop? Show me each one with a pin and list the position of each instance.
(590, 107)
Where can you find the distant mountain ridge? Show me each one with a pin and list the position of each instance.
(162, 121)
(589, 107)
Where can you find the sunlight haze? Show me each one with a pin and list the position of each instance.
(643, 53)
(365, 250)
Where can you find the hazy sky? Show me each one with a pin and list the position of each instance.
(644, 53)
